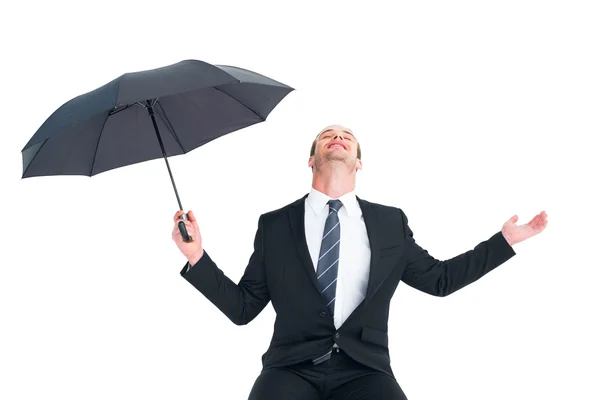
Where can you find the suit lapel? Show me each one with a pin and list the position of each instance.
(296, 216)
(375, 275)
(378, 272)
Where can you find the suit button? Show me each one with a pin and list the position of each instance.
(337, 335)
(323, 314)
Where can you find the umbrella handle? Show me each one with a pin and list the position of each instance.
(184, 234)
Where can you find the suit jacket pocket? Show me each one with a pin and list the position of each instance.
(375, 336)
(286, 340)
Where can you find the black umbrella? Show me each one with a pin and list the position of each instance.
(120, 123)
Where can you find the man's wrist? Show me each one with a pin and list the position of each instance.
(195, 258)
(508, 238)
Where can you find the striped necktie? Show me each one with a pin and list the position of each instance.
(327, 265)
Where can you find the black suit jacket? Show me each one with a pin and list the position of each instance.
(280, 270)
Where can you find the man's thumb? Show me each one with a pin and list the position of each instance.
(514, 218)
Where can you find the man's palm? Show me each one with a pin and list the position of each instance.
(517, 233)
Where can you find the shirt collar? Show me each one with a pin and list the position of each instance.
(318, 201)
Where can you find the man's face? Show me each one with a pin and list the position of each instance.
(336, 143)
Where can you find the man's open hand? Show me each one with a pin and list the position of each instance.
(517, 233)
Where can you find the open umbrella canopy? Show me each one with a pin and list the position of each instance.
(110, 127)
(144, 115)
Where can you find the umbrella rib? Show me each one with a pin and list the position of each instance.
(243, 105)
(98, 143)
(118, 110)
(33, 158)
(169, 125)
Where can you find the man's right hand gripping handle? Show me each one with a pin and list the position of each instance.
(192, 250)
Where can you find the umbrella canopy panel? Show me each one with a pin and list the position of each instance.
(110, 127)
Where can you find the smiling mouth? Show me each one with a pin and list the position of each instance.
(337, 145)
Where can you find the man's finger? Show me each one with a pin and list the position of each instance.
(189, 228)
(177, 215)
(188, 225)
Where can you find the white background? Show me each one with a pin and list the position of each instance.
(468, 112)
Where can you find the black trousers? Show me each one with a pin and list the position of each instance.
(339, 378)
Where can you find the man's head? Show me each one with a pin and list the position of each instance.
(335, 144)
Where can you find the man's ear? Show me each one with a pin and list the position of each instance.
(358, 165)
(311, 161)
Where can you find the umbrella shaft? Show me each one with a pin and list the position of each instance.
(162, 147)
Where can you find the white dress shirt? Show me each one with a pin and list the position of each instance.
(355, 251)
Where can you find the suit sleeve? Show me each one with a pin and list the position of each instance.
(241, 302)
(441, 278)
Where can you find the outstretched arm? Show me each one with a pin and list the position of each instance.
(241, 302)
(441, 278)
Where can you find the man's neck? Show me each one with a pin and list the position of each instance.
(334, 184)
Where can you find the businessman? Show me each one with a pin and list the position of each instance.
(330, 262)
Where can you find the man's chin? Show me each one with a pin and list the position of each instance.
(336, 157)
